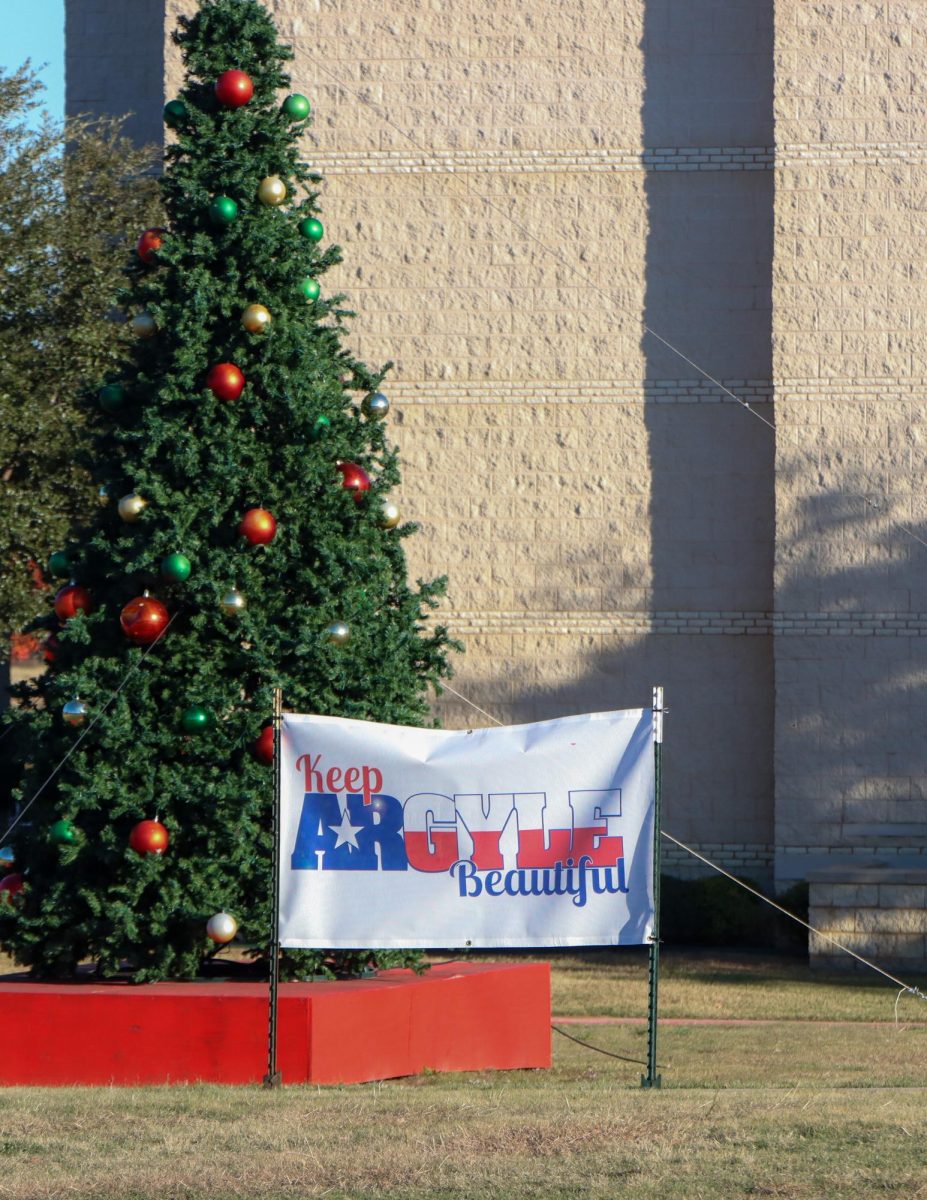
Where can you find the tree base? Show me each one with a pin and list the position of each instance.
(456, 1017)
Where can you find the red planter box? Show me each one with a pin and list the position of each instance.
(457, 1017)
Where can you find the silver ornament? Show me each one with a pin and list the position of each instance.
(7, 857)
(75, 712)
(338, 633)
(233, 602)
(143, 325)
(375, 406)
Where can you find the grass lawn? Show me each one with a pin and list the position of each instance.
(787, 1109)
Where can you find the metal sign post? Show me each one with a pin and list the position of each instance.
(652, 1079)
(273, 1077)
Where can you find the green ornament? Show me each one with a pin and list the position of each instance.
(63, 833)
(310, 288)
(223, 210)
(175, 112)
(320, 428)
(296, 107)
(112, 398)
(176, 568)
(59, 565)
(195, 719)
(312, 229)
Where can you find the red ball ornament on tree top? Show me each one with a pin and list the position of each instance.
(355, 479)
(258, 526)
(149, 837)
(10, 886)
(234, 89)
(70, 600)
(143, 620)
(264, 746)
(225, 381)
(149, 244)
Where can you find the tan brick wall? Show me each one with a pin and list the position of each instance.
(850, 314)
(605, 520)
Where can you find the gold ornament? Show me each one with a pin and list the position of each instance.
(233, 603)
(144, 325)
(256, 318)
(132, 506)
(272, 190)
(389, 515)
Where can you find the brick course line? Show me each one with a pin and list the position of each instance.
(632, 622)
(520, 162)
(853, 390)
(622, 391)
(789, 156)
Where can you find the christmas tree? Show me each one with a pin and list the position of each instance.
(244, 541)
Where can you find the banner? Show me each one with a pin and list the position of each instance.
(529, 835)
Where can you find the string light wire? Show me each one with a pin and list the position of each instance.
(131, 671)
(905, 987)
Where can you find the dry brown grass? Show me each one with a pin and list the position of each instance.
(466, 1138)
(791, 1110)
(724, 984)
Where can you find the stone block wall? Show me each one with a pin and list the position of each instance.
(878, 913)
(849, 317)
(529, 198)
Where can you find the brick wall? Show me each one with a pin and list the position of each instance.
(608, 518)
(850, 312)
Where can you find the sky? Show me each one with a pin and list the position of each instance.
(35, 29)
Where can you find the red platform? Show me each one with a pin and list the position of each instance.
(456, 1017)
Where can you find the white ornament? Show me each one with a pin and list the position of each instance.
(221, 927)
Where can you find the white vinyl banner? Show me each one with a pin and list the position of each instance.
(529, 835)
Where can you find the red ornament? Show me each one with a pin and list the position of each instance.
(10, 886)
(143, 620)
(355, 479)
(259, 526)
(70, 600)
(149, 244)
(234, 89)
(149, 837)
(264, 746)
(51, 647)
(225, 381)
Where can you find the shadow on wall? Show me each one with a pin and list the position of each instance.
(708, 83)
(851, 758)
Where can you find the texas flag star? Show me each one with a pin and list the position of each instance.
(347, 833)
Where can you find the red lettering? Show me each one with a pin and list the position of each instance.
(606, 854)
(486, 853)
(309, 766)
(434, 851)
(367, 780)
(373, 782)
(533, 853)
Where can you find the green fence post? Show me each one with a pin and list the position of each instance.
(652, 1079)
